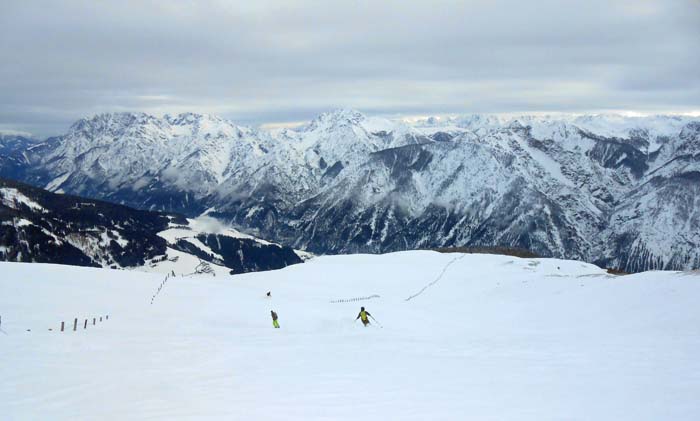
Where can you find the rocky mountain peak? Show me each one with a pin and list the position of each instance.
(335, 118)
(112, 124)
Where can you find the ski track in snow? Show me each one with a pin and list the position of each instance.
(435, 281)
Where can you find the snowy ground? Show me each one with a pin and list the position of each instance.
(185, 264)
(484, 337)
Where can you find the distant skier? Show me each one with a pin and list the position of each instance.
(364, 316)
(269, 294)
(275, 323)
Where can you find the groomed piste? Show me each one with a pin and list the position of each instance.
(472, 336)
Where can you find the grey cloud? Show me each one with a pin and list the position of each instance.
(284, 61)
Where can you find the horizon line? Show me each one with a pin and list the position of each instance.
(409, 118)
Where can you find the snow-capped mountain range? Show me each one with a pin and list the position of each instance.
(619, 191)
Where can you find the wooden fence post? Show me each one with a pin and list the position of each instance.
(62, 326)
(100, 319)
(93, 321)
(85, 326)
(107, 316)
(75, 324)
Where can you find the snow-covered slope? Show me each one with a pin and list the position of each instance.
(618, 191)
(463, 337)
(40, 226)
(208, 239)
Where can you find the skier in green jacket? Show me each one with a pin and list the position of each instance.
(275, 323)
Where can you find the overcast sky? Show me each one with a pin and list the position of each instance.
(268, 62)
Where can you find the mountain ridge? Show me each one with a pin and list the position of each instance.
(570, 186)
(43, 227)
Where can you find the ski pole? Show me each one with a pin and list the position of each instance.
(380, 325)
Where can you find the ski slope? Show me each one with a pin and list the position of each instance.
(482, 337)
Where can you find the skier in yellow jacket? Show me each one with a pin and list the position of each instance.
(364, 316)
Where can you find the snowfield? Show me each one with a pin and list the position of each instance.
(480, 337)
